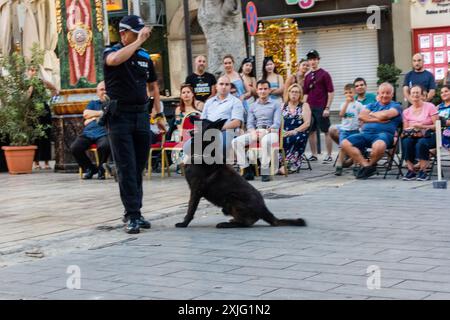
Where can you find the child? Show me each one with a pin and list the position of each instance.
(349, 113)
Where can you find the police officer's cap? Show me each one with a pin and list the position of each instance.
(132, 22)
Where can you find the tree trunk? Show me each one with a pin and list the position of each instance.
(221, 21)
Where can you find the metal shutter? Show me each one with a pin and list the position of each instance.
(346, 52)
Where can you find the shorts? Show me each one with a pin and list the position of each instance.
(319, 121)
(366, 140)
(344, 134)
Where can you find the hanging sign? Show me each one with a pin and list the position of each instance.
(303, 4)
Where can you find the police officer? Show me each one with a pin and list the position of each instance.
(129, 73)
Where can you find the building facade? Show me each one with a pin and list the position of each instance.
(352, 37)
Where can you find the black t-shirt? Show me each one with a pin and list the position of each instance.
(127, 82)
(202, 85)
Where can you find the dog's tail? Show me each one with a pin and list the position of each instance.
(275, 222)
(289, 222)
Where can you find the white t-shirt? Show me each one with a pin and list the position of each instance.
(350, 120)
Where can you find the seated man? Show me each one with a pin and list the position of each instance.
(222, 106)
(263, 124)
(381, 120)
(93, 133)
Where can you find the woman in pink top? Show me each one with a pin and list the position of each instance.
(418, 133)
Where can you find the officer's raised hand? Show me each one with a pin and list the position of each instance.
(144, 34)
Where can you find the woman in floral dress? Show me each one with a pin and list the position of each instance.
(297, 120)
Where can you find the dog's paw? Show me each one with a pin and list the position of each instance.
(223, 225)
(181, 225)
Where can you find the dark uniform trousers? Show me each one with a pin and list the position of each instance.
(82, 143)
(130, 144)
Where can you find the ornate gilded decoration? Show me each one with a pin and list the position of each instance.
(279, 39)
(58, 16)
(99, 15)
(80, 38)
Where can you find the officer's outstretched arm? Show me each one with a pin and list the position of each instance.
(118, 57)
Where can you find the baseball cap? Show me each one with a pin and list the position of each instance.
(132, 22)
(312, 54)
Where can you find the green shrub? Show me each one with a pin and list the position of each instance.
(20, 113)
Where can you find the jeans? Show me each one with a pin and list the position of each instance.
(418, 148)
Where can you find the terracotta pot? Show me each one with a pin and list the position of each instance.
(19, 159)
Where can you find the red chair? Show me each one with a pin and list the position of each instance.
(157, 146)
(187, 125)
(93, 149)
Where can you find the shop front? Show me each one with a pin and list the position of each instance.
(431, 34)
(342, 32)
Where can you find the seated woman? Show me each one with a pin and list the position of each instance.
(444, 114)
(418, 133)
(188, 104)
(297, 120)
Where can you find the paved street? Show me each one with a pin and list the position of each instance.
(52, 224)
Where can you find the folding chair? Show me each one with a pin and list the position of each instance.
(392, 158)
(157, 146)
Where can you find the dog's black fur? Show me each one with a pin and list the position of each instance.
(221, 185)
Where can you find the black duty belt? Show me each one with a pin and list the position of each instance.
(133, 108)
(263, 127)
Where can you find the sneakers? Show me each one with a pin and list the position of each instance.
(422, 176)
(144, 224)
(338, 171)
(366, 172)
(410, 175)
(265, 178)
(327, 159)
(313, 158)
(90, 173)
(132, 226)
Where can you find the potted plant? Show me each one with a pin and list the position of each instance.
(388, 73)
(21, 105)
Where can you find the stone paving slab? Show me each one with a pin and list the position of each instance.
(399, 227)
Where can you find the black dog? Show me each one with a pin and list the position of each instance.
(224, 187)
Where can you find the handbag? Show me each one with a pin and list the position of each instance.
(416, 133)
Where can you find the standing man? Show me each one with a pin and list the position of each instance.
(202, 81)
(362, 96)
(319, 93)
(419, 76)
(129, 72)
